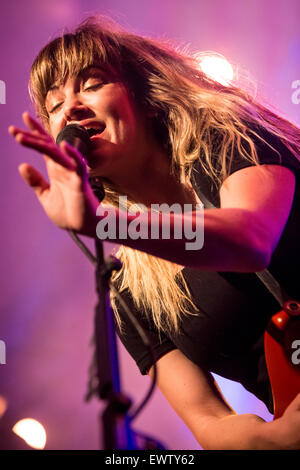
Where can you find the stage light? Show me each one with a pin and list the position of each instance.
(32, 432)
(217, 67)
(3, 406)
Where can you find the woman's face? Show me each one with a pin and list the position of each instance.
(93, 101)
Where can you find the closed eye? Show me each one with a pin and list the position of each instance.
(94, 87)
(55, 108)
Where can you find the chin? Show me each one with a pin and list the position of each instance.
(97, 171)
(95, 165)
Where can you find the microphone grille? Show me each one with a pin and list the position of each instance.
(77, 136)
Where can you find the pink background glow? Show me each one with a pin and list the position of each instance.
(47, 285)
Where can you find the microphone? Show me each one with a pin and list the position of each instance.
(79, 137)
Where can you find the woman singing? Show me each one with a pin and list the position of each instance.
(162, 132)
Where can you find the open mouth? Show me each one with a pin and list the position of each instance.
(92, 132)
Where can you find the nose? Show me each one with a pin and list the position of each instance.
(74, 109)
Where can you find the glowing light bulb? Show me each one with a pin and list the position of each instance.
(32, 432)
(3, 405)
(217, 68)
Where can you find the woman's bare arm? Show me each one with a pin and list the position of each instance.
(194, 396)
(240, 236)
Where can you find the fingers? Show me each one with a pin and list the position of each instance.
(33, 178)
(38, 139)
(35, 129)
(295, 404)
(293, 407)
(33, 124)
(79, 161)
(48, 148)
(43, 144)
(14, 131)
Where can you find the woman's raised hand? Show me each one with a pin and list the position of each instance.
(67, 198)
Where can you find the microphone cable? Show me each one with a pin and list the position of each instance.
(143, 335)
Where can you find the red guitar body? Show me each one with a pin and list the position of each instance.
(282, 351)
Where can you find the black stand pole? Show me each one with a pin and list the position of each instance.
(117, 433)
(115, 423)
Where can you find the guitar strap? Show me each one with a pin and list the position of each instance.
(273, 286)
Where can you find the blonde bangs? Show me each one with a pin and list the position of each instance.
(65, 57)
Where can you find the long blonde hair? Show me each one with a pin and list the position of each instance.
(189, 108)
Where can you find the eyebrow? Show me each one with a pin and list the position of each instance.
(53, 88)
(91, 69)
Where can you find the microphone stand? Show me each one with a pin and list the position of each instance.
(117, 433)
(115, 423)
